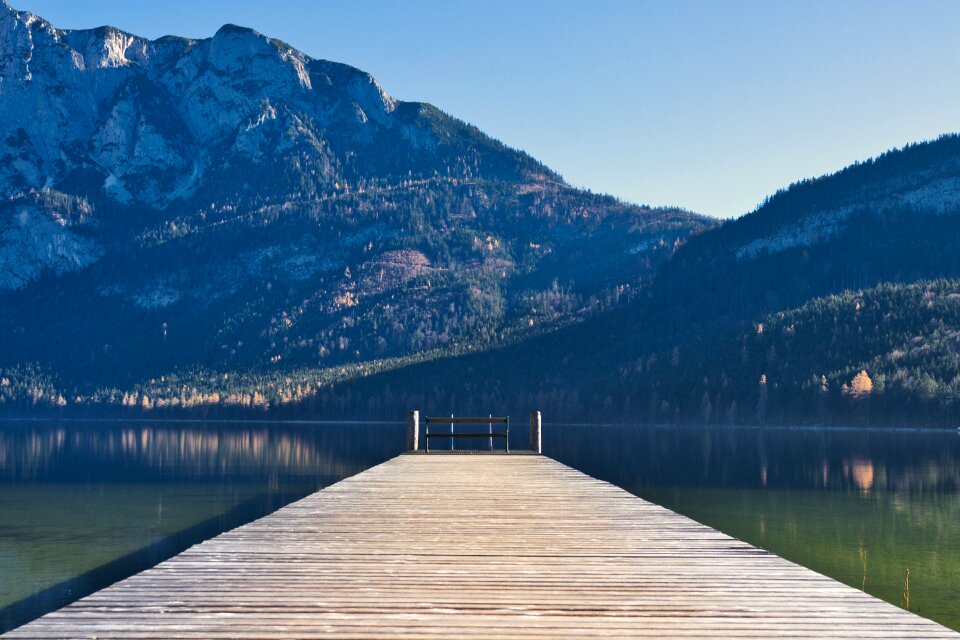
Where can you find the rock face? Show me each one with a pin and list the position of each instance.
(39, 234)
(231, 203)
(153, 122)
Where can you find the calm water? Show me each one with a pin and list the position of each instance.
(859, 506)
(84, 504)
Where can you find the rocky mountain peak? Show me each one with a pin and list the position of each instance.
(8, 13)
(16, 44)
(147, 123)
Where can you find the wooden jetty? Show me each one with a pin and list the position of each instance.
(484, 546)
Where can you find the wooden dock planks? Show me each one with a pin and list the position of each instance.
(459, 546)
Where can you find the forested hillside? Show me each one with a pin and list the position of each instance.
(885, 355)
(893, 218)
(889, 355)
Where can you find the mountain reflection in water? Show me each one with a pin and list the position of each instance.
(85, 504)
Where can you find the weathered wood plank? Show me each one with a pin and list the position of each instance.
(474, 547)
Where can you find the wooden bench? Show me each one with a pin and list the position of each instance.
(451, 420)
(413, 430)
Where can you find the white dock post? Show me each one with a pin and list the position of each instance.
(536, 432)
(413, 430)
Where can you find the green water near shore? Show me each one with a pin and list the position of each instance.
(866, 541)
(85, 504)
(862, 507)
(54, 532)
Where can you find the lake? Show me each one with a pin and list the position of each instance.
(83, 504)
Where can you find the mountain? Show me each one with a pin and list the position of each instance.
(226, 224)
(230, 208)
(892, 218)
(238, 116)
(769, 318)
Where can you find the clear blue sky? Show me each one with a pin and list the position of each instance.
(704, 104)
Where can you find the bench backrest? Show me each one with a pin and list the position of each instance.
(452, 420)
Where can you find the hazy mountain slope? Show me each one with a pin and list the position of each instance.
(894, 218)
(232, 204)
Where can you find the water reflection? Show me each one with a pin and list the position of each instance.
(860, 506)
(866, 461)
(861, 471)
(84, 451)
(85, 504)
(82, 505)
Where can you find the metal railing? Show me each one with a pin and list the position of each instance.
(452, 420)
